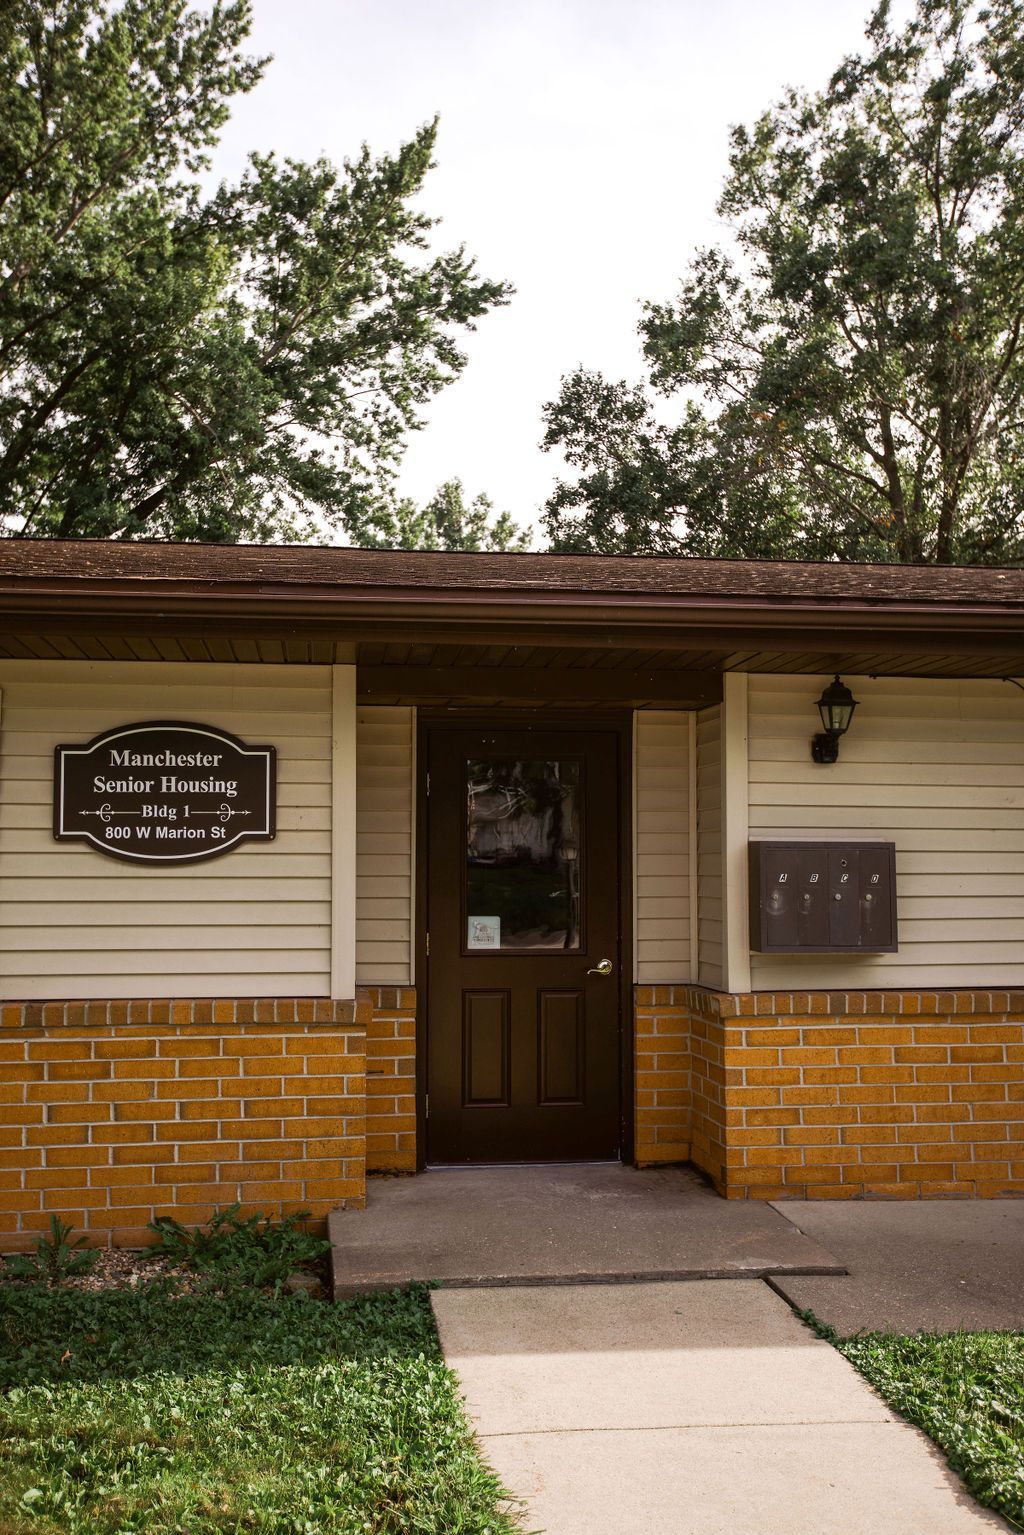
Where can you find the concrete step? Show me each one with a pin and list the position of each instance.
(583, 1224)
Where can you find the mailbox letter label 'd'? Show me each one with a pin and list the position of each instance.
(164, 792)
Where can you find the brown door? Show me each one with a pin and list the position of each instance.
(524, 962)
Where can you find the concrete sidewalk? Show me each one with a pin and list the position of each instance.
(927, 1265)
(687, 1408)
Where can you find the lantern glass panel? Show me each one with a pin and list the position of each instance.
(839, 717)
(836, 706)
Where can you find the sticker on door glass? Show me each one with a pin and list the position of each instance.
(484, 933)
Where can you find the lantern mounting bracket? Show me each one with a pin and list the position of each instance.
(825, 747)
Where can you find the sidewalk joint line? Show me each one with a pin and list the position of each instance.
(666, 1428)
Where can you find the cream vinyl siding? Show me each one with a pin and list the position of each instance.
(74, 923)
(710, 924)
(936, 767)
(661, 779)
(385, 832)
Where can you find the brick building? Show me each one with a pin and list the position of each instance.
(320, 862)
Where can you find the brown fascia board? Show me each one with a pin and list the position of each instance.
(39, 602)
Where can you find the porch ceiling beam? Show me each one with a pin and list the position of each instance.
(365, 606)
(535, 684)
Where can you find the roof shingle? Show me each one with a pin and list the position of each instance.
(80, 562)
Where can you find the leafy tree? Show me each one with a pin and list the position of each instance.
(851, 375)
(244, 364)
(447, 521)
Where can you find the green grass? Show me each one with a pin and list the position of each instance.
(966, 1390)
(135, 1411)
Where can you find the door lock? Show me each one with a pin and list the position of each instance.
(603, 967)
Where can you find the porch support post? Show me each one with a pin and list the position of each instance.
(735, 829)
(343, 832)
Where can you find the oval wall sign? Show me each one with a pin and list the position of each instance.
(164, 792)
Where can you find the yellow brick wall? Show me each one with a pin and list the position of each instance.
(114, 1112)
(391, 1079)
(710, 1115)
(662, 1082)
(846, 1095)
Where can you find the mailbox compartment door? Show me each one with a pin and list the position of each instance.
(780, 896)
(813, 901)
(877, 899)
(844, 897)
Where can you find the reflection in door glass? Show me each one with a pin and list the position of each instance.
(523, 844)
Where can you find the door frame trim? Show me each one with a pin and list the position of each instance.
(617, 722)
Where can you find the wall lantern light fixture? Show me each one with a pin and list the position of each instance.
(836, 706)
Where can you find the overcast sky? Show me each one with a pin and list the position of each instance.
(582, 147)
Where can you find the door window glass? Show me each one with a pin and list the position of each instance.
(522, 854)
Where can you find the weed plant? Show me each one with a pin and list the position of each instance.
(56, 1257)
(232, 1249)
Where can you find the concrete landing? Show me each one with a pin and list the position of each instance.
(545, 1225)
(687, 1409)
(930, 1265)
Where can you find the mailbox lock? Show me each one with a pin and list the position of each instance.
(838, 896)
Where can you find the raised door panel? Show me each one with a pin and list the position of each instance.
(561, 1041)
(486, 1043)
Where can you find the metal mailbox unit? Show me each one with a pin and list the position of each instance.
(816, 897)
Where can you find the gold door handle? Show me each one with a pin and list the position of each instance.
(603, 967)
